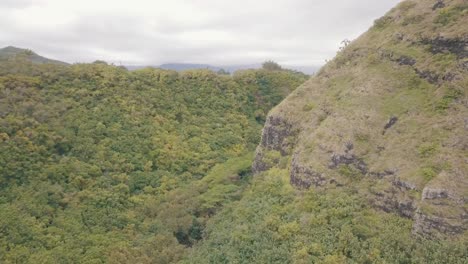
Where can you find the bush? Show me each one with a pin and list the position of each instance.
(382, 23)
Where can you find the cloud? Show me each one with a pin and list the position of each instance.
(17, 3)
(300, 32)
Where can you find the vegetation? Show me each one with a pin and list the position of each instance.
(100, 164)
(13, 52)
(273, 223)
(374, 144)
(271, 66)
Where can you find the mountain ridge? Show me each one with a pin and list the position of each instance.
(10, 52)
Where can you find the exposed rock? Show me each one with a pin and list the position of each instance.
(258, 164)
(274, 135)
(425, 224)
(349, 146)
(403, 184)
(457, 46)
(406, 208)
(448, 77)
(334, 181)
(303, 177)
(382, 174)
(348, 159)
(429, 76)
(399, 36)
(429, 193)
(438, 4)
(390, 123)
(464, 65)
(390, 202)
(405, 60)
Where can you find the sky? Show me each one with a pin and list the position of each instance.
(217, 32)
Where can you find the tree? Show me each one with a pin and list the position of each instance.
(271, 66)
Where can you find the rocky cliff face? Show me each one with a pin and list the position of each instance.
(387, 116)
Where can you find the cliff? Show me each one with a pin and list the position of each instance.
(387, 117)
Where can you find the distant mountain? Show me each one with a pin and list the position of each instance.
(187, 66)
(192, 66)
(10, 52)
(228, 68)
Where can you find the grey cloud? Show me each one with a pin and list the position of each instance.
(18, 3)
(295, 31)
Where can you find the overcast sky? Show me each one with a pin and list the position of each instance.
(152, 32)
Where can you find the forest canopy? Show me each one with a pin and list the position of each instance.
(99, 163)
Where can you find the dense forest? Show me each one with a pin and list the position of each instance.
(100, 163)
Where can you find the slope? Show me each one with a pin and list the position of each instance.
(366, 161)
(11, 52)
(388, 115)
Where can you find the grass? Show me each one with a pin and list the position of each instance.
(349, 171)
(382, 23)
(362, 137)
(450, 14)
(413, 20)
(405, 6)
(443, 60)
(409, 100)
(427, 150)
(450, 95)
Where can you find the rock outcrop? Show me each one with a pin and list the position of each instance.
(277, 135)
(303, 177)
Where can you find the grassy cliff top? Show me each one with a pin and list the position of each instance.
(392, 103)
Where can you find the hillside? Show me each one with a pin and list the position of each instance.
(100, 164)
(366, 162)
(11, 52)
(388, 114)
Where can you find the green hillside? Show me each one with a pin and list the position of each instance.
(11, 53)
(100, 164)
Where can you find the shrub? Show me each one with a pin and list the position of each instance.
(382, 22)
(450, 96)
(308, 107)
(428, 173)
(450, 14)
